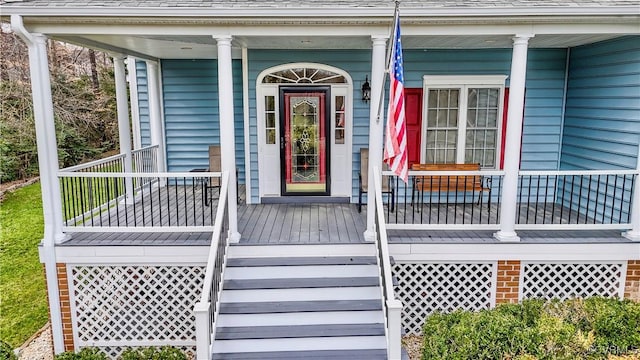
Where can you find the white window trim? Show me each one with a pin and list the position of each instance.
(462, 81)
(337, 89)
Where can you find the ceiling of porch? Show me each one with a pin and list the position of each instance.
(201, 46)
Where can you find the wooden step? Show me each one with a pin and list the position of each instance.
(300, 283)
(306, 294)
(299, 344)
(299, 331)
(311, 250)
(311, 271)
(299, 306)
(364, 354)
(301, 318)
(301, 261)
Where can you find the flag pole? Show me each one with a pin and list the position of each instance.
(396, 18)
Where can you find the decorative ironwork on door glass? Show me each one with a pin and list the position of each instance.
(305, 143)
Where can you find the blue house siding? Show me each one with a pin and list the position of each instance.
(143, 103)
(190, 96)
(544, 90)
(545, 87)
(602, 122)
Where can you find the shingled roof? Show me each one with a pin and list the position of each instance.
(235, 4)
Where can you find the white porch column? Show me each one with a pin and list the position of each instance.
(227, 133)
(376, 126)
(48, 165)
(634, 233)
(513, 139)
(155, 114)
(124, 130)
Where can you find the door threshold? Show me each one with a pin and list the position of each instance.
(305, 199)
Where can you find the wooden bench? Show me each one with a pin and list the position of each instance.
(450, 183)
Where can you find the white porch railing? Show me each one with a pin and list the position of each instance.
(392, 306)
(145, 160)
(114, 163)
(102, 201)
(445, 204)
(206, 310)
(593, 199)
(576, 199)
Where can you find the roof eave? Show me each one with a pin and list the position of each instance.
(318, 12)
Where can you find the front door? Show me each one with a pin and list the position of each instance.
(304, 132)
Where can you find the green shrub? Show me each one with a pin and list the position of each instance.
(145, 353)
(84, 354)
(152, 353)
(616, 325)
(6, 352)
(535, 329)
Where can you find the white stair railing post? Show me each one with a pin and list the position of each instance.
(394, 323)
(203, 330)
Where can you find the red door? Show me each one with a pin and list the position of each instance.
(413, 114)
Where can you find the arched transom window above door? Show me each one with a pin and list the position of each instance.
(304, 75)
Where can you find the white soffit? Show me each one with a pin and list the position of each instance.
(204, 47)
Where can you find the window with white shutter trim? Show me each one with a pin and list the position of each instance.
(463, 119)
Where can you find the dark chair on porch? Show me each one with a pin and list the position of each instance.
(215, 165)
(363, 180)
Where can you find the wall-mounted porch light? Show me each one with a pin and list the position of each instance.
(366, 90)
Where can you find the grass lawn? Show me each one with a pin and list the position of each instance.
(23, 302)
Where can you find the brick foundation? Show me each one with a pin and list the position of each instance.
(508, 283)
(632, 284)
(65, 307)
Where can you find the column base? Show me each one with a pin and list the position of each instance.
(234, 238)
(632, 235)
(61, 237)
(507, 236)
(370, 236)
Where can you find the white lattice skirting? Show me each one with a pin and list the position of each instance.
(425, 288)
(571, 280)
(429, 287)
(119, 306)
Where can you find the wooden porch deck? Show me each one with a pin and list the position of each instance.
(340, 223)
(301, 224)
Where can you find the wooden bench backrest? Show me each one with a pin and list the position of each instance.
(451, 182)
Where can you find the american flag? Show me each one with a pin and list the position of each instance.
(395, 148)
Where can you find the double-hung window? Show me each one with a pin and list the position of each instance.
(462, 119)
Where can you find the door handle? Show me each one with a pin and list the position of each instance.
(282, 142)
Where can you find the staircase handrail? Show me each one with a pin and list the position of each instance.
(392, 306)
(206, 310)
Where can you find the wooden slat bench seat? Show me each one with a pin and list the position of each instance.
(450, 183)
